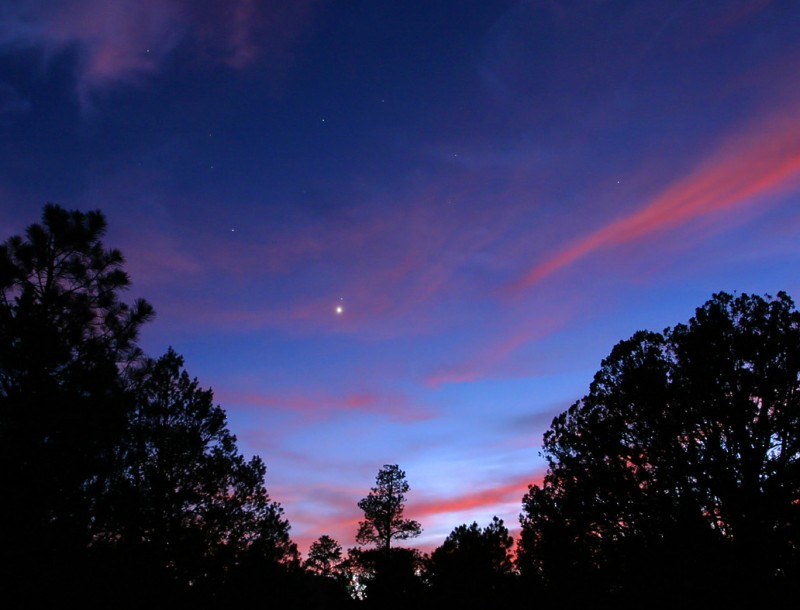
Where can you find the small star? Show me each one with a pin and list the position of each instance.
(339, 310)
(323, 120)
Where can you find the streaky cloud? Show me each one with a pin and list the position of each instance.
(744, 170)
(506, 492)
(125, 40)
(316, 405)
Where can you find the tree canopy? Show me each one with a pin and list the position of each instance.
(677, 475)
(383, 510)
(65, 334)
(681, 463)
(324, 556)
(473, 566)
(387, 576)
(184, 496)
(125, 478)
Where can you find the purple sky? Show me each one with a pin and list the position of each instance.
(495, 193)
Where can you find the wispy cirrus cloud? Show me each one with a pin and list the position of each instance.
(743, 170)
(506, 492)
(337, 506)
(396, 263)
(126, 40)
(438, 515)
(487, 360)
(312, 406)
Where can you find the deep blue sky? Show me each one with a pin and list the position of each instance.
(494, 193)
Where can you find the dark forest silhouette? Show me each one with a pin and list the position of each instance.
(677, 477)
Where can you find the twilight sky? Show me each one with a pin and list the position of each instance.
(493, 192)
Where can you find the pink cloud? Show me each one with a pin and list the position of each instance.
(124, 40)
(154, 258)
(744, 170)
(313, 406)
(493, 357)
(116, 41)
(335, 512)
(508, 492)
(256, 27)
(396, 264)
(314, 511)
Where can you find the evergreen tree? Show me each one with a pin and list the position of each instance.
(324, 556)
(383, 511)
(473, 567)
(681, 465)
(389, 575)
(186, 501)
(64, 336)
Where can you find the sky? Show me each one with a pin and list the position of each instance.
(409, 232)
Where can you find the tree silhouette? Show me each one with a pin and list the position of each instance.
(473, 567)
(125, 485)
(324, 556)
(185, 498)
(383, 511)
(64, 335)
(389, 576)
(386, 579)
(682, 464)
